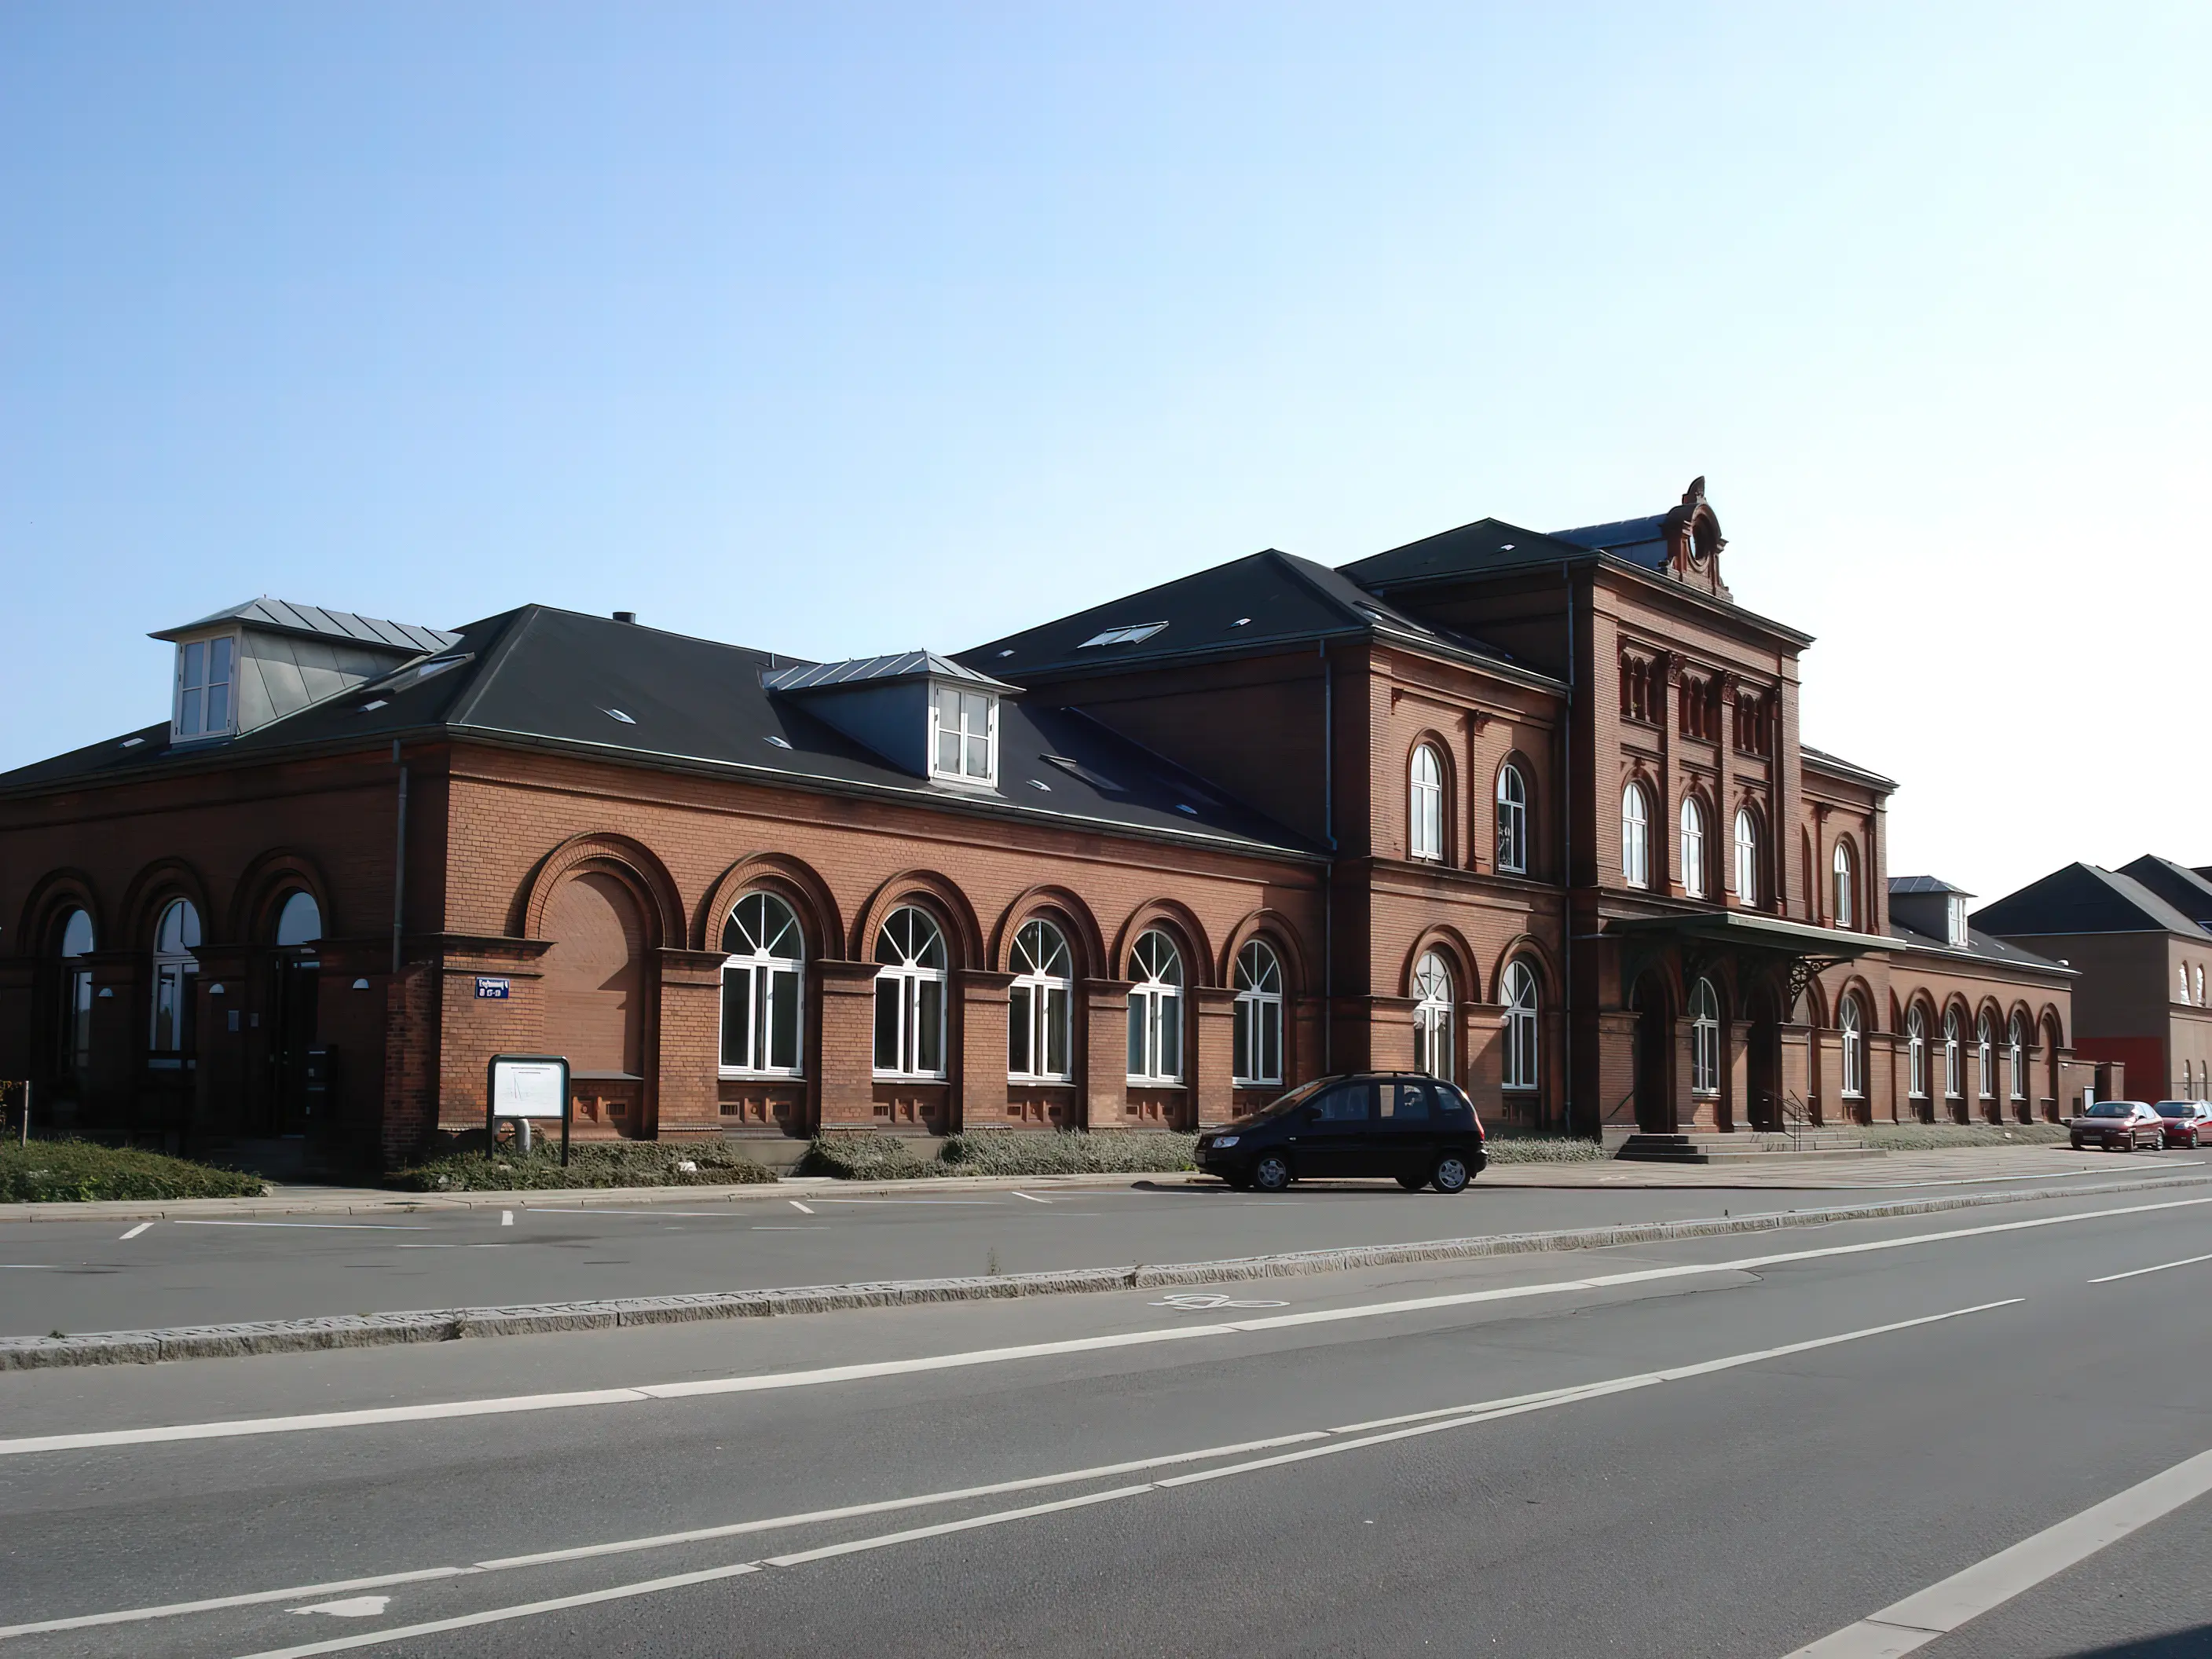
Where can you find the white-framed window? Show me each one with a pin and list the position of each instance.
(910, 995)
(1693, 848)
(1705, 1039)
(2184, 972)
(1519, 1070)
(1846, 886)
(1916, 1028)
(1432, 1014)
(2016, 1058)
(1156, 1010)
(1259, 1041)
(1635, 836)
(963, 735)
(1425, 808)
(1985, 1058)
(1038, 1045)
(1954, 919)
(1512, 820)
(205, 706)
(1747, 857)
(76, 942)
(764, 980)
(2200, 985)
(1954, 1087)
(176, 974)
(1852, 1026)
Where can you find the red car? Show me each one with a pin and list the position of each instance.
(2119, 1125)
(2188, 1122)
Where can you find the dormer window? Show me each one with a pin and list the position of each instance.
(205, 670)
(963, 735)
(1954, 921)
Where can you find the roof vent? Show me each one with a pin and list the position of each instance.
(626, 615)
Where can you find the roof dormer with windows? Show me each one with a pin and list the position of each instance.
(922, 712)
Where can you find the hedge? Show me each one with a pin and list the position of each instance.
(591, 1163)
(85, 1172)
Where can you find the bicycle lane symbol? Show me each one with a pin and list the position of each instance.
(1208, 1301)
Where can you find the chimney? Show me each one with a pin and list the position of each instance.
(626, 615)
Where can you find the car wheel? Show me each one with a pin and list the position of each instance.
(1451, 1174)
(1271, 1172)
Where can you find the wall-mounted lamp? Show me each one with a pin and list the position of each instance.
(361, 985)
(216, 990)
(106, 990)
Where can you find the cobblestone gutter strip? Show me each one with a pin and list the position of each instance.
(379, 1330)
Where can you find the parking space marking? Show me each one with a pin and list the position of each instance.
(507, 1217)
(1033, 1198)
(317, 1226)
(801, 1208)
(137, 1229)
(2137, 1273)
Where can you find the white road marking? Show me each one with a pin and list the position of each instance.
(507, 1217)
(801, 1208)
(760, 1383)
(2137, 1273)
(1919, 1619)
(1328, 1445)
(137, 1229)
(357, 1607)
(1205, 1302)
(318, 1226)
(1033, 1198)
(913, 1203)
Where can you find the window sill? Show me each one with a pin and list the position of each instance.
(1028, 1082)
(1155, 1082)
(726, 1075)
(909, 1077)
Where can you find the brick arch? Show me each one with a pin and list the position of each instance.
(2047, 1020)
(1466, 973)
(153, 887)
(940, 896)
(791, 879)
(1857, 985)
(271, 877)
(1282, 938)
(1815, 999)
(1177, 919)
(1067, 911)
(1526, 947)
(620, 855)
(52, 897)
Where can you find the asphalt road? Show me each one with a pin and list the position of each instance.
(1731, 1446)
(103, 1276)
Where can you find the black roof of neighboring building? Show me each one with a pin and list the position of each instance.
(544, 677)
(1485, 546)
(1640, 541)
(2085, 898)
(1925, 884)
(313, 622)
(1267, 599)
(1987, 946)
(2186, 890)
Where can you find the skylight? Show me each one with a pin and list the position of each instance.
(1129, 636)
(781, 743)
(374, 703)
(1076, 768)
(617, 713)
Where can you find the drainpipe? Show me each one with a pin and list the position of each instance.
(1567, 865)
(399, 864)
(1328, 834)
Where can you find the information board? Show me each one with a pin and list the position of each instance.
(526, 1086)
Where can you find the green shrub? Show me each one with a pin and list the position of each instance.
(866, 1155)
(1067, 1151)
(83, 1172)
(470, 1169)
(1927, 1137)
(1542, 1148)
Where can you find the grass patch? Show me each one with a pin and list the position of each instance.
(591, 1163)
(1930, 1137)
(866, 1155)
(85, 1172)
(1542, 1148)
(1067, 1151)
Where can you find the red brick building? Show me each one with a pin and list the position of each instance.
(1529, 810)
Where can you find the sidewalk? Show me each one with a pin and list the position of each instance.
(1963, 1165)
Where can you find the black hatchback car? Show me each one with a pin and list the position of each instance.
(1418, 1130)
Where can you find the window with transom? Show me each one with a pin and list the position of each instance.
(1747, 857)
(1693, 848)
(910, 975)
(1432, 1014)
(1259, 1040)
(1985, 1058)
(76, 1035)
(1916, 1043)
(1635, 836)
(963, 735)
(176, 975)
(205, 704)
(1426, 805)
(1038, 1004)
(1519, 995)
(2016, 1058)
(1954, 1087)
(1512, 821)
(1851, 1023)
(1705, 1039)
(1156, 1010)
(1846, 886)
(763, 977)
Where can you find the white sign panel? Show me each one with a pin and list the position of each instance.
(526, 1088)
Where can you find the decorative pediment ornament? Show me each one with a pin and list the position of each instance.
(1694, 539)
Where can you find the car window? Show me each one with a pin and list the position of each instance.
(1291, 1102)
(2110, 1108)
(1347, 1103)
(1405, 1100)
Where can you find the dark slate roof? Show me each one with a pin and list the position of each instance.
(1925, 884)
(2085, 898)
(2186, 890)
(284, 617)
(1640, 541)
(878, 671)
(1484, 547)
(1826, 762)
(558, 679)
(1266, 599)
(1988, 946)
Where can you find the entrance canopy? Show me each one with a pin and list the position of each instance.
(1759, 944)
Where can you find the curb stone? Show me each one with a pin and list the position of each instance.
(379, 1330)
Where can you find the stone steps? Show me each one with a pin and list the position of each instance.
(1707, 1147)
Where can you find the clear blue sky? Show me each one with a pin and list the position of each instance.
(846, 329)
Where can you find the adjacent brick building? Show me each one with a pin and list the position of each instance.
(1529, 810)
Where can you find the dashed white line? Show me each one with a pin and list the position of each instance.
(507, 1217)
(137, 1229)
(1033, 1198)
(801, 1208)
(2137, 1273)
(318, 1226)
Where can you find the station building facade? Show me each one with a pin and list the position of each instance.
(1526, 809)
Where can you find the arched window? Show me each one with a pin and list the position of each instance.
(1037, 1044)
(1846, 887)
(763, 981)
(1155, 1011)
(1519, 1071)
(1954, 1087)
(300, 920)
(1512, 820)
(1635, 836)
(1693, 848)
(1259, 1044)
(76, 995)
(1425, 832)
(176, 972)
(1852, 1024)
(1985, 1059)
(910, 996)
(1705, 1039)
(2200, 985)
(1916, 1026)
(1747, 857)
(1432, 1014)
(2016, 1058)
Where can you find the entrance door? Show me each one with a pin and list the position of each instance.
(1765, 1079)
(1655, 1097)
(297, 978)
